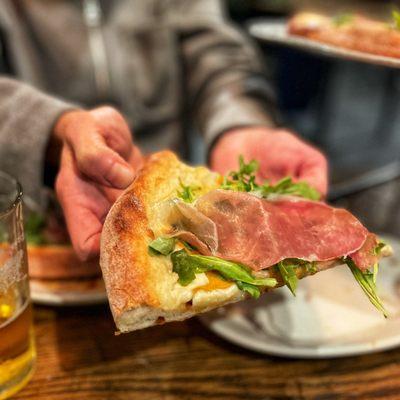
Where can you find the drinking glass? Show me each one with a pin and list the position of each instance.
(17, 349)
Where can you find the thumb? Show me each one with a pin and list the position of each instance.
(97, 161)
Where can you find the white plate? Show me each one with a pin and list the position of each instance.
(330, 316)
(68, 292)
(275, 32)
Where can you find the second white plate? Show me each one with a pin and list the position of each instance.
(274, 31)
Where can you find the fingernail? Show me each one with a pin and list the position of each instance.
(120, 176)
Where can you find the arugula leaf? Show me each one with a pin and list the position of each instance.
(288, 187)
(163, 245)
(230, 270)
(253, 290)
(378, 248)
(244, 180)
(188, 265)
(289, 275)
(188, 193)
(375, 272)
(367, 282)
(343, 19)
(34, 225)
(311, 267)
(247, 169)
(396, 19)
(183, 266)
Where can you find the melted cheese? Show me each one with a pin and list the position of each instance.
(205, 299)
(171, 294)
(214, 282)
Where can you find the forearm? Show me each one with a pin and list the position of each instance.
(224, 76)
(233, 105)
(26, 120)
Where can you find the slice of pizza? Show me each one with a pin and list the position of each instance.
(350, 31)
(183, 240)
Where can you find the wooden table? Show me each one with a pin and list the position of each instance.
(80, 358)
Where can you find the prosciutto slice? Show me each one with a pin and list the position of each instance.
(194, 228)
(259, 233)
(366, 256)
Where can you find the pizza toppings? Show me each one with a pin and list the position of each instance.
(244, 180)
(367, 281)
(245, 232)
(188, 265)
(368, 254)
(396, 19)
(192, 221)
(350, 31)
(261, 233)
(163, 245)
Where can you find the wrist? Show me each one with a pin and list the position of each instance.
(61, 125)
(56, 140)
(241, 134)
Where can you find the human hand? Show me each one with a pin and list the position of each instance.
(98, 161)
(279, 152)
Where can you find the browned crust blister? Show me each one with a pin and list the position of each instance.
(124, 251)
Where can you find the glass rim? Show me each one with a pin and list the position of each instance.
(18, 195)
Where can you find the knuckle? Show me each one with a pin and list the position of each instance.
(110, 111)
(87, 161)
(318, 155)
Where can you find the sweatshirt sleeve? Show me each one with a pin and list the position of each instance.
(27, 117)
(225, 80)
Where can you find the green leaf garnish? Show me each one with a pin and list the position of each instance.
(396, 19)
(343, 19)
(367, 282)
(378, 248)
(188, 265)
(286, 186)
(187, 194)
(311, 267)
(34, 225)
(289, 275)
(375, 272)
(163, 245)
(184, 267)
(244, 180)
(253, 290)
(247, 169)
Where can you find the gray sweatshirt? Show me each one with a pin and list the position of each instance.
(155, 60)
